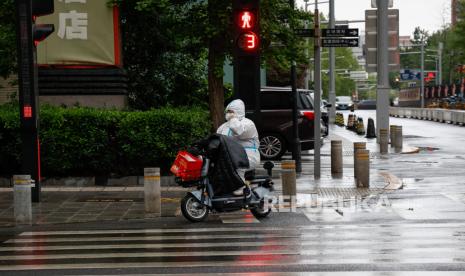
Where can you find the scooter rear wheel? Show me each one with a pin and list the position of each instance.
(192, 209)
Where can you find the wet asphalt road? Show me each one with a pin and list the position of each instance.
(403, 232)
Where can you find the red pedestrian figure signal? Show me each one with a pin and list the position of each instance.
(246, 20)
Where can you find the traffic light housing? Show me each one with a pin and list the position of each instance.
(246, 54)
(41, 31)
(246, 27)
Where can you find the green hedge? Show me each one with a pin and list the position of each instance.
(84, 141)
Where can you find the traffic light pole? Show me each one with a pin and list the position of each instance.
(27, 76)
(439, 73)
(332, 67)
(296, 147)
(317, 95)
(422, 80)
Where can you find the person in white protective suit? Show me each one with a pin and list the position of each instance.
(245, 133)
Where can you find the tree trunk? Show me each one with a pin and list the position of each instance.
(215, 82)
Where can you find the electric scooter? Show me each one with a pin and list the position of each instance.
(193, 171)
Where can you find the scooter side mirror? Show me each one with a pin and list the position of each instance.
(268, 166)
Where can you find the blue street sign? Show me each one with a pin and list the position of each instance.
(407, 75)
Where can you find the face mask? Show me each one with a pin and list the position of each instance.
(229, 116)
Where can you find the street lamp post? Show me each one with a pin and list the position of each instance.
(382, 95)
(332, 67)
(317, 95)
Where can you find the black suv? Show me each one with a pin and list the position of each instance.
(275, 130)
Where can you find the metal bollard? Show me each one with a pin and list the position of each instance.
(22, 199)
(358, 146)
(336, 157)
(398, 140)
(383, 141)
(392, 134)
(288, 178)
(363, 168)
(152, 190)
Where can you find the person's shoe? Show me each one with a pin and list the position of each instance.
(239, 191)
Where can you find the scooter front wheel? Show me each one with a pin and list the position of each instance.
(260, 212)
(192, 209)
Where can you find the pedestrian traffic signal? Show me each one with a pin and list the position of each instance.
(430, 76)
(246, 27)
(246, 54)
(41, 31)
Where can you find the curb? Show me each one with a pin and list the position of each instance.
(101, 189)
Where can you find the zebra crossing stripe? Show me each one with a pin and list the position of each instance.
(313, 253)
(245, 229)
(154, 238)
(188, 237)
(276, 260)
(283, 242)
(235, 247)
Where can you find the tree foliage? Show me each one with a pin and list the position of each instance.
(7, 38)
(165, 66)
(174, 50)
(344, 60)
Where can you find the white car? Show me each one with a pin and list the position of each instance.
(344, 103)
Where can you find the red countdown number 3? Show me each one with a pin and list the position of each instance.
(248, 41)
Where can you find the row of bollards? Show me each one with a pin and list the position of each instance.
(22, 185)
(361, 162)
(336, 158)
(395, 137)
(362, 169)
(288, 178)
(152, 191)
(398, 138)
(361, 165)
(383, 141)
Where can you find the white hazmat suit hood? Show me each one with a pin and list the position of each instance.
(243, 130)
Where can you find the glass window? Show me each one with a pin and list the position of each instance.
(306, 101)
(275, 100)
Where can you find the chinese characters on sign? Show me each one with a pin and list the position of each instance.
(87, 33)
(340, 32)
(73, 24)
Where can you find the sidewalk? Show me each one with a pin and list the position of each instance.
(83, 204)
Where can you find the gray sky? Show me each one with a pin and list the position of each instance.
(428, 14)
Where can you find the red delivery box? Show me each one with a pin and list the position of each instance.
(186, 166)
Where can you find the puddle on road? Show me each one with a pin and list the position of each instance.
(413, 137)
(427, 149)
(407, 181)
